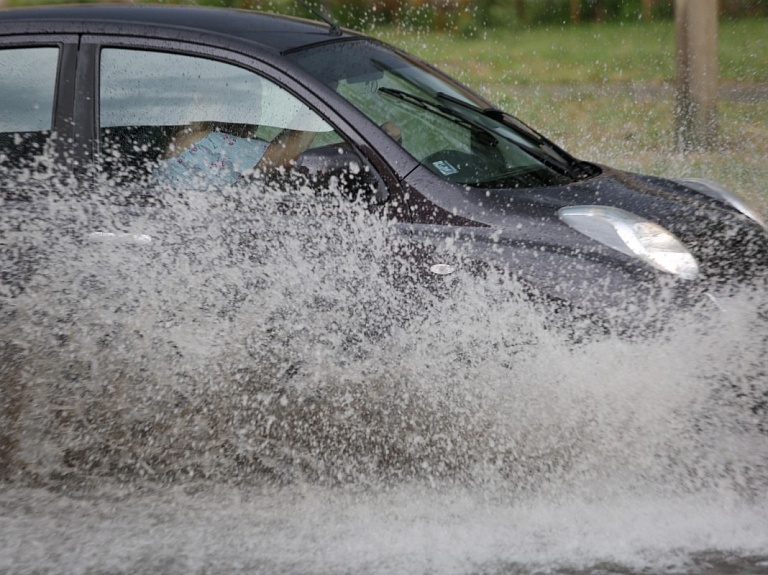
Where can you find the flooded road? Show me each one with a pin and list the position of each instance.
(406, 530)
(179, 398)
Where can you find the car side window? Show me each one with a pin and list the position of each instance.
(196, 123)
(27, 93)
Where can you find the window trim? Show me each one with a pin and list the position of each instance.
(62, 113)
(89, 83)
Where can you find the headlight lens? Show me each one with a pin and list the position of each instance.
(632, 235)
(718, 192)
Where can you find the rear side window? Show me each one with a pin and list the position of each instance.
(27, 95)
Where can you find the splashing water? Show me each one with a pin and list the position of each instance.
(258, 380)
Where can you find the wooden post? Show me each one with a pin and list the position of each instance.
(696, 89)
(601, 11)
(647, 7)
(441, 15)
(575, 11)
(520, 10)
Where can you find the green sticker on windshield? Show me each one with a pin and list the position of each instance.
(445, 168)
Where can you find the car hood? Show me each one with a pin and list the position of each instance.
(521, 229)
(664, 201)
(705, 225)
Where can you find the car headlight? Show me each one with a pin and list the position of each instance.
(632, 235)
(718, 192)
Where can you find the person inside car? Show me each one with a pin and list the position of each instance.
(202, 155)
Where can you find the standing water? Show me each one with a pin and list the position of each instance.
(248, 383)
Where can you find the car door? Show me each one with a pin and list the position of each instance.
(36, 133)
(36, 100)
(147, 108)
(150, 100)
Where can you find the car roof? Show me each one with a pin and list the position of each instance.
(275, 32)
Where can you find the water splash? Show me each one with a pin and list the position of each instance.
(277, 343)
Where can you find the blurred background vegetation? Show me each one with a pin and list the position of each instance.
(469, 16)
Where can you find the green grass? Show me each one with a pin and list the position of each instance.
(638, 52)
(605, 93)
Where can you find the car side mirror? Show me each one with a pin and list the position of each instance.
(341, 166)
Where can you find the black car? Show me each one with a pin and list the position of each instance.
(153, 98)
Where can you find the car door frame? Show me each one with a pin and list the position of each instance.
(62, 115)
(88, 88)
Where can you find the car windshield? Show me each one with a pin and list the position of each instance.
(445, 127)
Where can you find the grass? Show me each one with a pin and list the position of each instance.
(638, 52)
(605, 92)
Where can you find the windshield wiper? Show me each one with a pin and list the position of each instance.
(510, 121)
(541, 148)
(425, 104)
(491, 112)
(499, 116)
